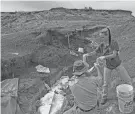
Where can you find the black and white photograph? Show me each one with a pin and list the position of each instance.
(67, 57)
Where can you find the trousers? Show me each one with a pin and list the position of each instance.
(123, 76)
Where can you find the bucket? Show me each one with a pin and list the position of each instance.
(80, 50)
(125, 98)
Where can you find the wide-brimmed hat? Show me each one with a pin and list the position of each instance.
(80, 67)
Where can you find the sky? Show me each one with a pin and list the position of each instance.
(11, 6)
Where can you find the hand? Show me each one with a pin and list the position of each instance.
(71, 82)
(102, 57)
(86, 54)
(62, 92)
(98, 66)
(100, 61)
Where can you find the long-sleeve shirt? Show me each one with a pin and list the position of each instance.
(85, 92)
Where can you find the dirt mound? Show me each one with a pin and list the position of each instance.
(130, 66)
(20, 21)
(49, 56)
(127, 40)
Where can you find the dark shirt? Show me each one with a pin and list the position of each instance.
(111, 63)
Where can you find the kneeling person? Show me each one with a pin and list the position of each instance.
(84, 88)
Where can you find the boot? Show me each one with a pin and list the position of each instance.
(104, 95)
(103, 100)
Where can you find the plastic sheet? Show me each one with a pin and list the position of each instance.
(53, 102)
(9, 89)
(46, 102)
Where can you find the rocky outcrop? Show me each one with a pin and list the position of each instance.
(58, 9)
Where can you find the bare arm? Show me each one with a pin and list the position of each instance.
(98, 50)
(88, 54)
(112, 55)
(100, 75)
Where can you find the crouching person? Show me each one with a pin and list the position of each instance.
(84, 88)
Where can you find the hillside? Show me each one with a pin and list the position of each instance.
(32, 38)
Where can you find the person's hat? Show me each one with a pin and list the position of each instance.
(80, 67)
